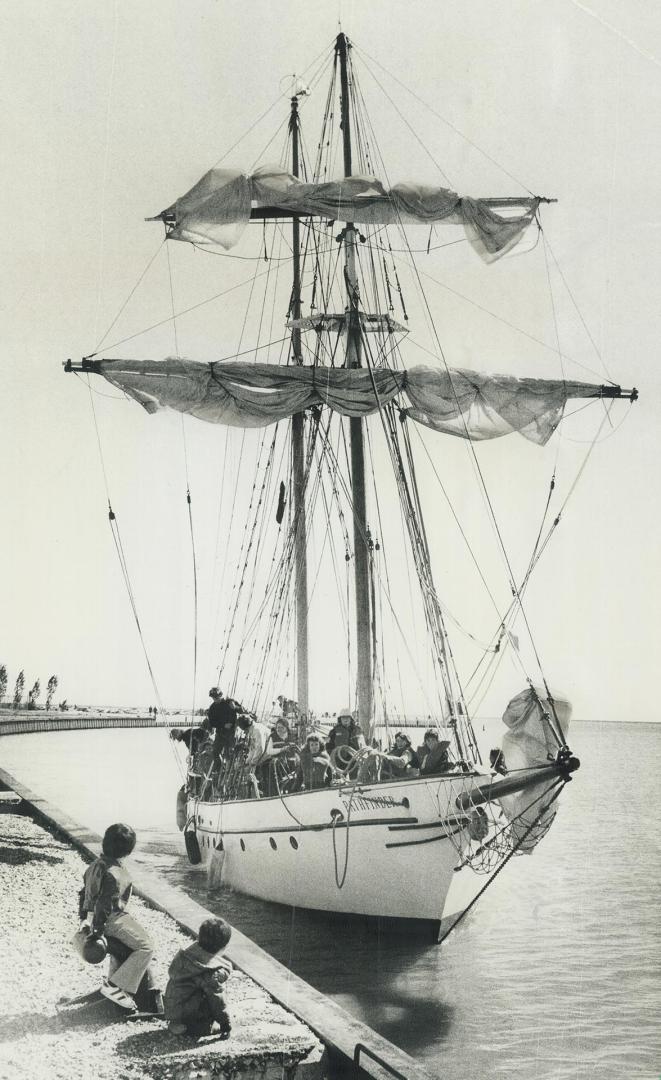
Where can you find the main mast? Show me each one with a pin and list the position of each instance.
(353, 360)
(298, 455)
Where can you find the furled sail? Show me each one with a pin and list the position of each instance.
(530, 742)
(455, 402)
(217, 209)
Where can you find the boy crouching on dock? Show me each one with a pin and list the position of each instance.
(194, 999)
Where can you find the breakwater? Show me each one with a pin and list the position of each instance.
(16, 725)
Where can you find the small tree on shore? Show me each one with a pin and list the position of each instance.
(3, 681)
(18, 689)
(51, 687)
(34, 694)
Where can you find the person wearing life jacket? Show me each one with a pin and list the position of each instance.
(314, 769)
(346, 732)
(280, 744)
(400, 757)
(280, 739)
(433, 755)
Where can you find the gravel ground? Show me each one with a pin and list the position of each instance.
(39, 881)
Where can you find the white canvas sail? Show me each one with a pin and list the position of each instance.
(455, 402)
(218, 208)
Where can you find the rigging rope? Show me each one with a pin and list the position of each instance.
(483, 486)
(576, 307)
(187, 311)
(128, 298)
(441, 118)
(188, 502)
(341, 878)
(560, 785)
(498, 318)
(114, 528)
(410, 128)
(323, 56)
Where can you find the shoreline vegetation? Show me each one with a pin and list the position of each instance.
(40, 875)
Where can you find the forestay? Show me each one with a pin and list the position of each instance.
(455, 402)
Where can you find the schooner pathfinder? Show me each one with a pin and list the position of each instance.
(367, 843)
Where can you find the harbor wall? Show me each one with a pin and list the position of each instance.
(346, 1039)
(14, 724)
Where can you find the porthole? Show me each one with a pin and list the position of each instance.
(273, 843)
(294, 842)
(243, 845)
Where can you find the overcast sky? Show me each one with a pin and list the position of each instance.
(113, 109)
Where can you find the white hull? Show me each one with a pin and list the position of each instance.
(389, 854)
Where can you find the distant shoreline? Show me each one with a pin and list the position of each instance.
(88, 716)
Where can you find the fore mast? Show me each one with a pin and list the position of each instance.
(353, 360)
(298, 452)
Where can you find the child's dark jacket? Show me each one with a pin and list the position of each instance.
(195, 985)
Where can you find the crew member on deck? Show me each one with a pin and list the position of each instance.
(281, 745)
(256, 736)
(280, 738)
(345, 733)
(401, 757)
(433, 755)
(192, 737)
(314, 768)
(221, 719)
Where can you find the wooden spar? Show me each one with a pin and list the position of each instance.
(353, 359)
(298, 459)
(517, 781)
(259, 212)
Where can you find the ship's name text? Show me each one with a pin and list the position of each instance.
(369, 802)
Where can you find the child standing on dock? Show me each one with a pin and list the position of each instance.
(103, 899)
(194, 998)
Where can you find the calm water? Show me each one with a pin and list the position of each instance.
(554, 974)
